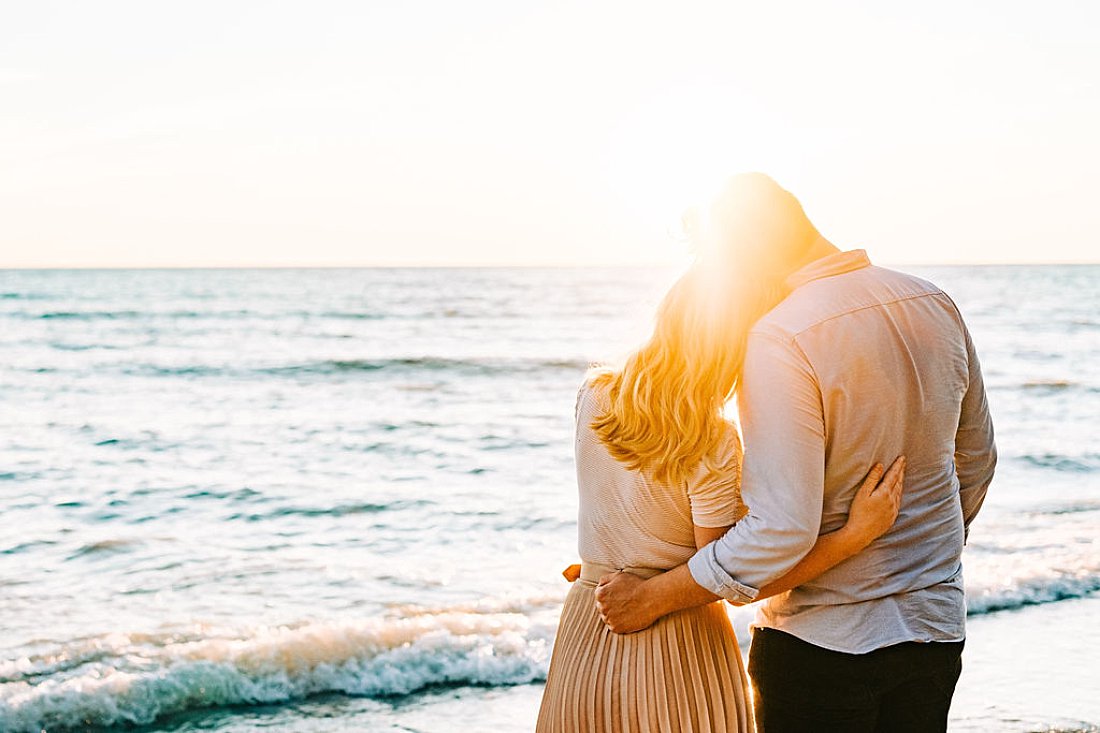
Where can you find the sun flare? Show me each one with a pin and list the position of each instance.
(674, 149)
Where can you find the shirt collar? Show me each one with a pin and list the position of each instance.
(836, 264)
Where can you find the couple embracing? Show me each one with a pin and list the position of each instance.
(840, 369)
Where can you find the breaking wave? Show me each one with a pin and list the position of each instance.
(135, 679)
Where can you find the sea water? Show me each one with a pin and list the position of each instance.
(316, 500)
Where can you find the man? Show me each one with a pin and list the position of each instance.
(854, 364)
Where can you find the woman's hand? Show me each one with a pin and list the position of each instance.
(873, 511)
(876, 505)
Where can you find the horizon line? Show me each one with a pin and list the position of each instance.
(495, 266)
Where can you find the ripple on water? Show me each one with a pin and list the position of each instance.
(105, 547)
(1078, 464)
(339, 510)
(28, 545)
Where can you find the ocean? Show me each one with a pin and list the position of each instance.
(327, 500)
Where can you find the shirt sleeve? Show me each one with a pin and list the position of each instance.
(715, 497)
(975, 449)
(783, 476)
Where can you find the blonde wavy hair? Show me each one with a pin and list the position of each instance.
(667, 400)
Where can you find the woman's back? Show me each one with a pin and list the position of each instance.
(684, 673)
(629, 519)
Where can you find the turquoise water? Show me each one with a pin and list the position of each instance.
(340, 499)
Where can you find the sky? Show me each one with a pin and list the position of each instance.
(262, 133)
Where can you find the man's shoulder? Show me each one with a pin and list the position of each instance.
(830, 298)
(906, 280)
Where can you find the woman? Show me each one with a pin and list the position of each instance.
(658, 469)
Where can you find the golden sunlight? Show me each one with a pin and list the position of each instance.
(674, 149)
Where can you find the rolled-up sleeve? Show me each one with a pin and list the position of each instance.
(783, 474)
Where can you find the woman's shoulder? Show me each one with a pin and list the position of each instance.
(583, 396)
(597, 378)
(593, 388)
(729, 442)
(723, 461)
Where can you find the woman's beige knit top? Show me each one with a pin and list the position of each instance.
(628, 519)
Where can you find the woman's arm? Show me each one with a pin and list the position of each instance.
(873, 511)
(705, 535)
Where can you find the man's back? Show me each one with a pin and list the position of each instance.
(859, 365)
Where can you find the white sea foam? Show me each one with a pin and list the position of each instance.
(1023, 559)
(139, 679)
(1004, 585)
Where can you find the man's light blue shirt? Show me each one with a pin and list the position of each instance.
(858, 365)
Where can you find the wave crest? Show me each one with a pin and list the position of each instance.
(136, 680)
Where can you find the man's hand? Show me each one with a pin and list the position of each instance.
(620, 603)
(627, 603)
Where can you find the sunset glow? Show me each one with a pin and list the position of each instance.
(547, 133)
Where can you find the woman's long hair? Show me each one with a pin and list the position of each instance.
(667, 399)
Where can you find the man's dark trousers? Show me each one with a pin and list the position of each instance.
(800, 687)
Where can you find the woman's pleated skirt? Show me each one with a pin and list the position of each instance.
(682, 675)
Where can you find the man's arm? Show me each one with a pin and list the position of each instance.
(782, 484)
(873, 512)
(783, 475)
(975, 449)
